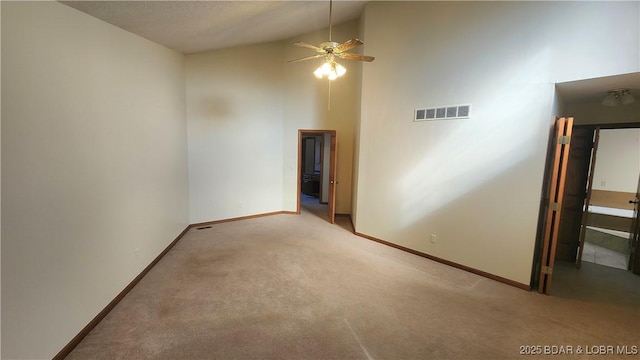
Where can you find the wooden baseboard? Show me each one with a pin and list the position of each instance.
(206, 223)
(85, 331)
(447, 262)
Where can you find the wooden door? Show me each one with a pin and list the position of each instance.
(560, 157)
(333, 148)
(634, 238)
(333, 174)
(575, 190)
(587, 200)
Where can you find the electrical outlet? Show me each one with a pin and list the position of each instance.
(434, 238)
(136, 253)
(603, 183)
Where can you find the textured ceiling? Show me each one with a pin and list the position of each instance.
(195, 26)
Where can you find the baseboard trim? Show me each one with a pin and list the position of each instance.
(447, 262)
(85, 331)
(214, 222)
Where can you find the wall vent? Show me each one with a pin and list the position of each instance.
(443, 113)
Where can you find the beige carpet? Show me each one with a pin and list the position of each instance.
(296, 287)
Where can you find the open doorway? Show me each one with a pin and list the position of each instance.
(607, 227)
(593, 202)
(317, 172)
(561, 222)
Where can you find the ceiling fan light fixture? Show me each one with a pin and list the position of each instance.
(611, 99)
(331, 69)
(618, 97)
(627, 98)
(331, 50)
(322, 70)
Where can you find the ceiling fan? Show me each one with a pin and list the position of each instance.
(330, 50)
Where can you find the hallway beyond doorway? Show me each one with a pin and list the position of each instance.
(312, 204)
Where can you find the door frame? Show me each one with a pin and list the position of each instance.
(332, 168)
(542, 253)
(634, 235)
(587, 200)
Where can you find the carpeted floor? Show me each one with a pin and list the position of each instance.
(296, 287)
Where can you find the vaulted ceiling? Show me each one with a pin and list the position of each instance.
(196, 26)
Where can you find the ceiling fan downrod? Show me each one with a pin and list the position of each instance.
(330, 22)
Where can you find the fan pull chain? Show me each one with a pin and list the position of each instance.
(329, 97)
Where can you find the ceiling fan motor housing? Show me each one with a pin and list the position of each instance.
(329, 46)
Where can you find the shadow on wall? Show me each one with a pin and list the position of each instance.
(216, 108)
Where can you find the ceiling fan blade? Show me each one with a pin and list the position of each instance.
(306, 58)
(305, 45)
(347, 45)
(356, 57)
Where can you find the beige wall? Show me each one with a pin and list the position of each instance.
(234, 111)
(245, 106)
(618, 160)
(475, 183)
(95, 175)
(94, 168)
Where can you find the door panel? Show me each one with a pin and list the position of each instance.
(333, 149)
(574, 193)
(560, 157)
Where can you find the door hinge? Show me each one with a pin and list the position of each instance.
(554, 206)
(564, 140)
(547, 270)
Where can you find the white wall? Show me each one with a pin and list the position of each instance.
(235, 122)
(94, 170)
(618, 160)
(474, 183)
